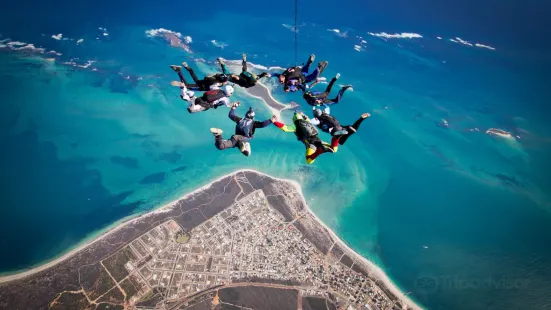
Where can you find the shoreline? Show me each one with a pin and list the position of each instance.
(101, 234)
(374, 267)
(377, 271)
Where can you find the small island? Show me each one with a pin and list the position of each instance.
(499, 133)
(262, 92)
(246, 240)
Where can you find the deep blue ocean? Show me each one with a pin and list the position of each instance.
(457, 218)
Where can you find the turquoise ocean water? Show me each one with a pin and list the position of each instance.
(453, 207)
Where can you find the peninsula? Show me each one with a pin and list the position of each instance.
(245, 240)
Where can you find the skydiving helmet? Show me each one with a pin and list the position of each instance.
(250, 113)
(223, 78)
(228, 90)
(317, 112)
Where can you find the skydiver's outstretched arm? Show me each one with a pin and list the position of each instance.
(232, 115)
(259, 124)
(283, 127)
(264, 74)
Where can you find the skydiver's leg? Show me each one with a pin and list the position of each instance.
(353, 128)
(243, 143)
(200, 83)
(312, 153)
(178, 70)
(339, 95)
(306, 67)
(222, 144)
(319, 70)
(219, 142)
(335, 143)
(244, 63)
(331, 83)
(183, 81)
(194, 108)
(223, 66)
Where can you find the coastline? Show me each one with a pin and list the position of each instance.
(101, 234)
(375, 269)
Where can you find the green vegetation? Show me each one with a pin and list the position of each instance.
(147, 296)
(115, 264)
(102, 283)
(129, 289)
(114, 296)
(182, 237)
(70, 301)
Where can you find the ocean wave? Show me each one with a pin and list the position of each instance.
(485, 46)
(54, 52)
(172, 37)
(403, 35)
(21, 46)
(339, 33)
(439, 38)
(15, 43)
(218, 44)
(358, 48)
(84, 66)
(57, 36)
(459, 40)
(80, 41)
(31, 47)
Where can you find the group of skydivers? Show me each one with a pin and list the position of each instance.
(217, 92)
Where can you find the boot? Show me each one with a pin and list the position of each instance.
(216, 131)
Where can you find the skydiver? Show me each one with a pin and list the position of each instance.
(308, 135)
(245, 78)
(296, 78)
(210, 82)
(315, 98)
(244, 131)
(210, 99)
(328, 123)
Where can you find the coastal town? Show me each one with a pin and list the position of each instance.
(246, 240)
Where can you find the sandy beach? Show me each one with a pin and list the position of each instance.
(374, 269)
(262, 92)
